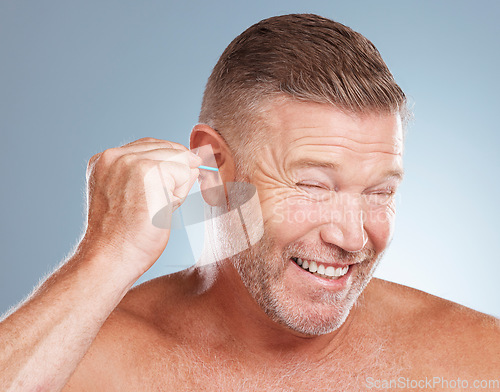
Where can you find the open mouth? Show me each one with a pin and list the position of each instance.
(327, 272)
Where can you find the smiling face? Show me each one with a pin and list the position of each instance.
(326, 186)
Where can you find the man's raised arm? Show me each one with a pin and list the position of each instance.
(46, 337)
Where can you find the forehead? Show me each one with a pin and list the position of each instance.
(304, 124)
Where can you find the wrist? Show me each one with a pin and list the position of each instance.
(108, 262)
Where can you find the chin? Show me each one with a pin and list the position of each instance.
(308, 318)
(299, 300)
(304, 309)
(312, 323)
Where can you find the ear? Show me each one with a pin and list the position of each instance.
(201, 135)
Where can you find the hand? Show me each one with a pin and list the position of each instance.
(123, 185)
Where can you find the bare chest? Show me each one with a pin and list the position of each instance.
(188, 370)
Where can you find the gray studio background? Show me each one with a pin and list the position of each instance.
(77, 77)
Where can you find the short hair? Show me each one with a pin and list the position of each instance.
(301, 56)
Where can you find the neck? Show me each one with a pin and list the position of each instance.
(239, 319)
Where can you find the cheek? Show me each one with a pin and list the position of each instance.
(289, 218)
(379, 225)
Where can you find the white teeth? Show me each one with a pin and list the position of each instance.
(321, 270)
(330, 271)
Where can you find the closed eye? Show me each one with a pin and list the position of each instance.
(380, 197)
(312, 185)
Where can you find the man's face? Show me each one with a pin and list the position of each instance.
(326, 185)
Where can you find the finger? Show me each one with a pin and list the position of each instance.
(142, 144)
(151, 141)
(178, 179)
(182, 191)
(116, 152)
(185, 157)
(166, 185)
(110, 155)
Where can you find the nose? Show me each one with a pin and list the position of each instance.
(345, 227)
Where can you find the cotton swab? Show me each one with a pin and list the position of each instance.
(208, 168)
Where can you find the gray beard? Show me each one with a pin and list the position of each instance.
(262, 268)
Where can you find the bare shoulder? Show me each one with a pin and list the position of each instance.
(442, 336)
(415, 303)
(132, 338)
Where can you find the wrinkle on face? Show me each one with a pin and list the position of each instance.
(362, 145)
(358, 152)
(364, 149)
(343, 141)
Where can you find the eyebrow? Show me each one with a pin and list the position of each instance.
(301, 163)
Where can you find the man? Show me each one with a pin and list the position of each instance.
(305, 110)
